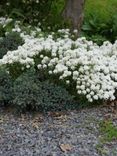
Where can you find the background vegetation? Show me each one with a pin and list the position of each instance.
(100, 18)
(103, 9)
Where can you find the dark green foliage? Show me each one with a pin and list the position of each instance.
(30, 93)
(104, 9)
(99, 31)
(15, 70)
(5, 87)
(100, 21)
(10, 42)
(28, 10)
(2, 31)
(57, 98)
(48, 12)
(99, 39)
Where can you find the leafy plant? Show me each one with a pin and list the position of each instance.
(33, 12)
(2, 31)
(10, 42)
(5, 87)
(103, 9)
(31, 94)
(99, 31)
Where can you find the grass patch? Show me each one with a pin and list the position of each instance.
(108, 131)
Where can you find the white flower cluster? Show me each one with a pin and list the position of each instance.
(4, 21)
(93, 68)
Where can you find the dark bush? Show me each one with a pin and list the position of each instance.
(10, 42)
(2, 31)
(31, 94)
(5, 87)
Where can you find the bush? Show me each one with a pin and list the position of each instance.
(91, 68)
(103, 9)
(10, 42)
(100, 22)
(47, 12)
(31, 94)
(27, 10)
(5, 87)
(99, 31)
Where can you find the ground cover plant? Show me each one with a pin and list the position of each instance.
(80, 65)
(32, 94)
(6, 85)
(103, 9)
(10, 42)
(58, 77)
(108, 131)
(85, 67)
(100, 24)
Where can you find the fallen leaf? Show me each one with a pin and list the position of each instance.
(65, 147)
(1, 120)
(35, 125)
(107, 116)
(57, 114)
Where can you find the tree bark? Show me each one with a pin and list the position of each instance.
(74, 12)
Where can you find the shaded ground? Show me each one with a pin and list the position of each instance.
(72, 133)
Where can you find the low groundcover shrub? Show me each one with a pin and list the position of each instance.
(91, 68)
(6, 84)
(84, 68)
(10, 42)
(31, 94)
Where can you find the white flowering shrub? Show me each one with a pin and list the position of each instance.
(91, 68)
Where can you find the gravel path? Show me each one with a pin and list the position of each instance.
(72, 133)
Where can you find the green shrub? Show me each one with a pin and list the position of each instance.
(100, 31)
(31, 94)
(34, 11)
(10, 42)
(104, 9)
(100, 22)
(5, 87)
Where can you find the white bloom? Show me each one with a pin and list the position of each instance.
(95, 97)
(91, 67)
(79, 91)
(67, 82)
(39, 66)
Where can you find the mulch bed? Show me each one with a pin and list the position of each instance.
(71, 133)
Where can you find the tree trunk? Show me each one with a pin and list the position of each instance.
(74, 12)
